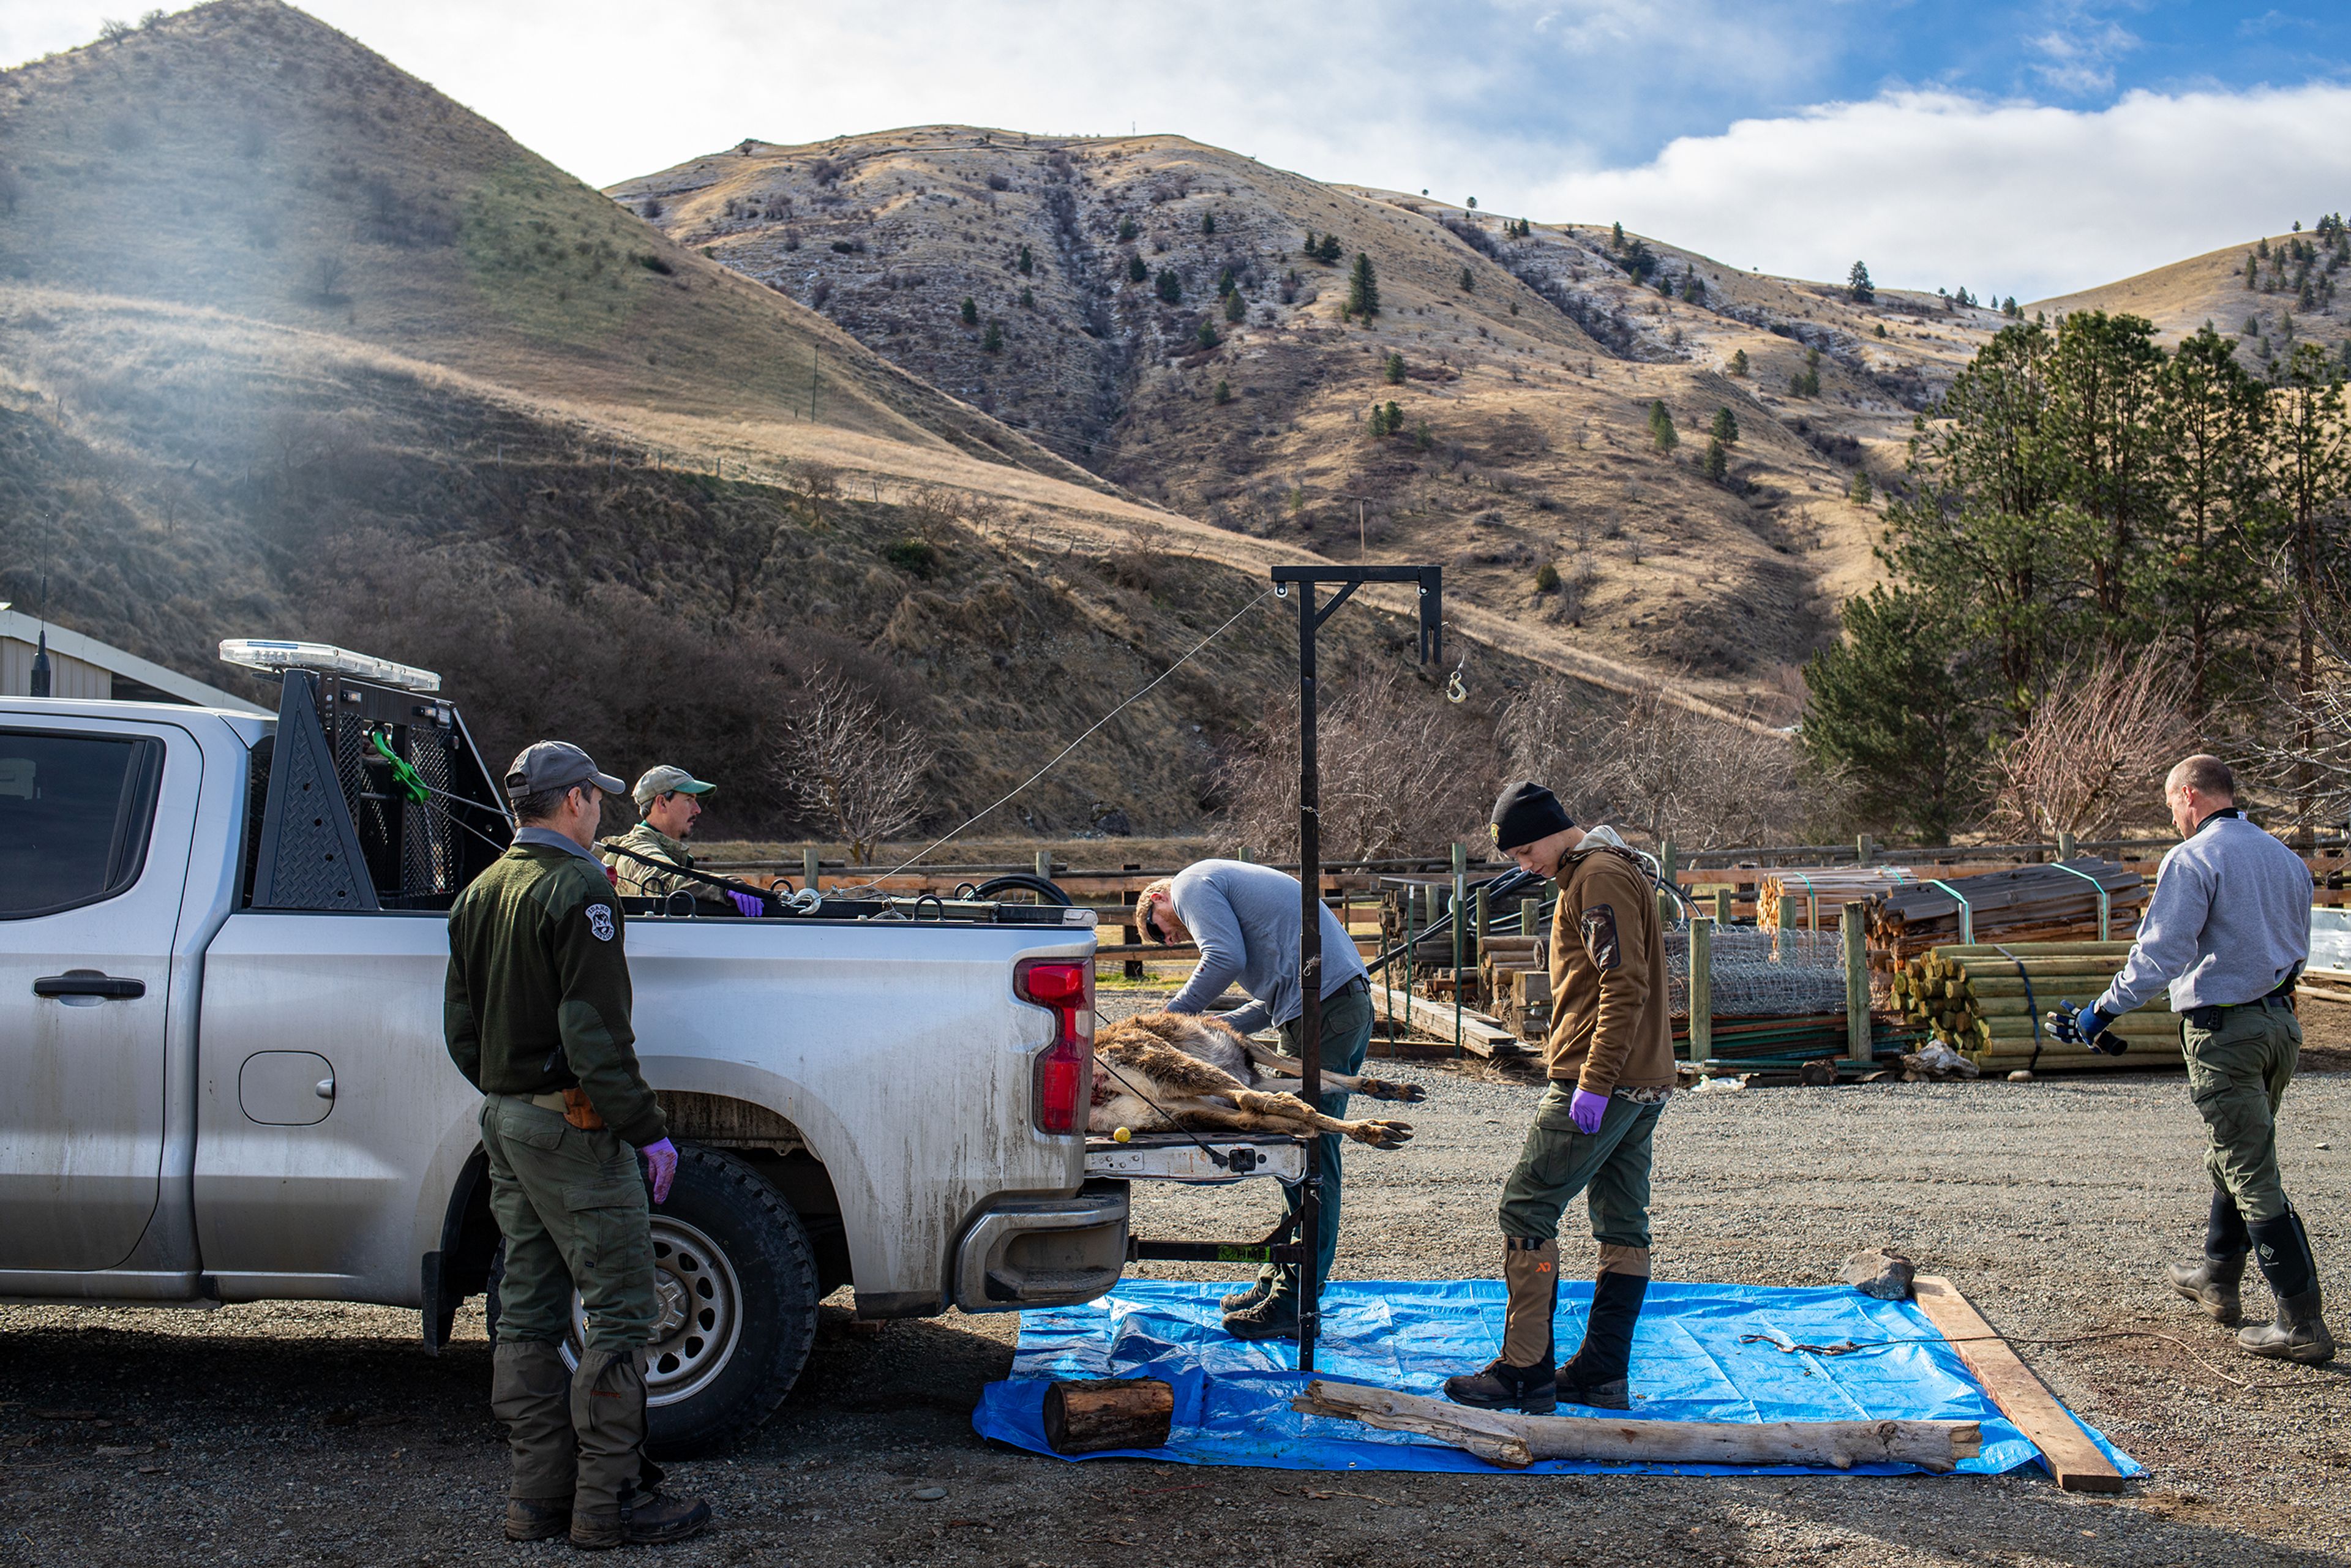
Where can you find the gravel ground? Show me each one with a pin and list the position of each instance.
(291, 1433)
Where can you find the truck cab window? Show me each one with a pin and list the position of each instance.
(75, 811)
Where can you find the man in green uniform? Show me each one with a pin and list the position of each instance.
(1611, 1062)
(670, 799)
(537, 1016)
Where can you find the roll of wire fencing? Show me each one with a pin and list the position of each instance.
(1762, 974)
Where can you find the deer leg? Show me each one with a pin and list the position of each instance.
(1300, 1117)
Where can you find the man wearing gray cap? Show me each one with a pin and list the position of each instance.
(537, 1017)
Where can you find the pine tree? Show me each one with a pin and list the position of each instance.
(1224, 283)
(1362, 289)
(970, 311)
(1309, 250)
(1718, 461)
(1738, 362)
(1859, 492)
(1885, 713)
(1136, 272)
(1026, 261)
(994, 341)
(1171, 287)
(1028, 299)
(1661, 426)
(1616, 236)
(1726, 427)
(1207, 223)
(1693, 287)
(1126, 230)
(1395, 418)
(1857, 286)
(1235, 307)
(1378, 421)
(1395, 370)
(1331, 251)
(1469, 283)
(1207, 334)
(1224, 393)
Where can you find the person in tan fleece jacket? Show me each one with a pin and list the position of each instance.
(1610, 1060)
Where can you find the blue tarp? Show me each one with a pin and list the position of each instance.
(1232, 1400)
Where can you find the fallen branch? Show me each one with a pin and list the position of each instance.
(1516, 1441)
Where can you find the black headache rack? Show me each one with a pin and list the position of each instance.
(376, 798)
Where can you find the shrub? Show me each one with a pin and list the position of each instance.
(970, 311)
(1126, 230)
(1136, 272)
(113, 31)
(916, 557)
(1171, 287)
(1547, 577)
(1207, 223)
(849, 248)
(1395, 370)
(1224, 393)
(1028, 299)
(999, 182)
(1469, 282)
(653, 263)
(1027, 263)
(993, 342)
(1881, 328)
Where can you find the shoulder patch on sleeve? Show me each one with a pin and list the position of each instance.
(1598, 925)
(600, 921)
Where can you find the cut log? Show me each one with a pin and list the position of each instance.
(1088, 1416)
(1515, 1441)
(2078, 1464)
(1481, 1036)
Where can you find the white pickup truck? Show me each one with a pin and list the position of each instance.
(222, 1074)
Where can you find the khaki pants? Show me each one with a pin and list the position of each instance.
(571, 1205)
(2237, 1075)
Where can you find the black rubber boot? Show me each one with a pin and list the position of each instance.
(2300, 1332)
(2212, 1284)
(1599, 1374)
(647, 1519)
(1528, 1390)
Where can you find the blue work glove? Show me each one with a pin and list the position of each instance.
(2087, 1026)
(751, 903)
(661, 1163)
(1585, 1110)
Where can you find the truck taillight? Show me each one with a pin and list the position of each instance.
(1065, 1068)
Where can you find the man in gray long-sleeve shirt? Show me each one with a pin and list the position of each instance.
(1246, 920)
(2229, 930)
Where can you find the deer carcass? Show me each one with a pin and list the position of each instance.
(1164, 1072)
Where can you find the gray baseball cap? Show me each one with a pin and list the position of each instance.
(667, 778)
(556, 765)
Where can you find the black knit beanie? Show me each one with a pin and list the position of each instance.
(1526, 813)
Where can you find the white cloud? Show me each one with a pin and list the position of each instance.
(1933, 189)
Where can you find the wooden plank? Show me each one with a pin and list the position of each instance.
(1514, 1442)
(2021, 1396)
(1481, 1036)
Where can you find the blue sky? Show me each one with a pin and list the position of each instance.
(2024, 148)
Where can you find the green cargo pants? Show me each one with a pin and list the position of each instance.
(1610, 1167)
(2237, 1074)
(571, 1205)
(1346, 1036)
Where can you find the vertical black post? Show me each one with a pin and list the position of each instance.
(1310, 976)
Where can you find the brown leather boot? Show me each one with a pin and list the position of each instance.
(538, 1519)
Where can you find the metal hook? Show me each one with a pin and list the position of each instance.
(1454, 692)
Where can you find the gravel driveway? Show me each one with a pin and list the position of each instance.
(289, 1433)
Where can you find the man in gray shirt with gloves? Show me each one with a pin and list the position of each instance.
(2229, 931)
(1246, 919)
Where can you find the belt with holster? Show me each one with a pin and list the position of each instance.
(571, 1104)
(2209, 1017)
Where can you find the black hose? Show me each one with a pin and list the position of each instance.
(1022, 882)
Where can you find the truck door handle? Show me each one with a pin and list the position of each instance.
(89, 983)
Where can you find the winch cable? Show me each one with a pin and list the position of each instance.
(1144, 691)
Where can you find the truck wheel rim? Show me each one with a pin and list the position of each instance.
(699, 1314)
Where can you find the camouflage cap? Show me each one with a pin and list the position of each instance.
(555, 765)
(664, 779)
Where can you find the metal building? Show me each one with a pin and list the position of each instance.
(86, 669)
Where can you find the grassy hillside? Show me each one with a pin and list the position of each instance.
(1524, 396)
(2283, 302)
(290, 345)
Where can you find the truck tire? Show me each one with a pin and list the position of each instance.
(738, 1304)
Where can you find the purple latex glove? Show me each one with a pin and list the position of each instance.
(1585, 1110)
(660, 1161)
(751, 903)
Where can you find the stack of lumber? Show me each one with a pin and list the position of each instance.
(1982, 1003)
(1503, 960)
(2029, 903)
(1822, 892)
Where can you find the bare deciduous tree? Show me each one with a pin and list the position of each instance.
(2090, 758)
(1652, 767)
(848, 764)
(1402, 773)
